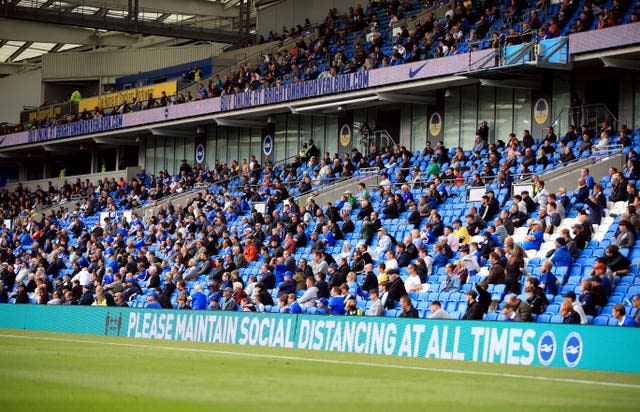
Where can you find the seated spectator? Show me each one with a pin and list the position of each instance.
(569, 315)
(407, 308)
(474, 311)
(619, 313)
(437, 312)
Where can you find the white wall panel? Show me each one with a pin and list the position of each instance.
(18, 90)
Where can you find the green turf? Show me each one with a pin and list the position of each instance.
(52, 375)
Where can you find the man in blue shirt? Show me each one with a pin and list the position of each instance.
(534, 238)
(548, 281)
(620, 314)
(198, 299)
(152, 302)
(336, 302)
(561, 257)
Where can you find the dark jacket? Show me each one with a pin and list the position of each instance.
(412, 312)
(474, 312)
(396, 291)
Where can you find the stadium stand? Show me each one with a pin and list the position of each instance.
(415, 238)
(374, 38)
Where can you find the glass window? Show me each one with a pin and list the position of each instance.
(211, 155)
(171, 147)
(159, 162)
(221, 144)
(245, 144)
(256, 143)
(487, 109)
(280, 139)
(232, 145)
(636, 116)
(306, 133)
(418, 127)
(331, 141)
(319, 131)
(469, 116)
(149, 158)
(188, 151)
(504, 113)
(561, 100)
(452, 117)
(292, 136)
(522, 110)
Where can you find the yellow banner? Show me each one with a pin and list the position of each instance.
(45, 112)
(115, 99)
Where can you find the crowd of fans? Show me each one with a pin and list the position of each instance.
(220, 253)
(363, 39)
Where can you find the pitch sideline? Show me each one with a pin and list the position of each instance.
(331, 361)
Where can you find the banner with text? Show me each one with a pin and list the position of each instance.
(140, 93)
(531, 344)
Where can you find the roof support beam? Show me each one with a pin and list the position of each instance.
(61, 17)
(19, 30)
(18, 52)
(197, 7)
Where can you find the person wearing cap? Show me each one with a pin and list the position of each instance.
(561, 257)
(534, 238)
(384, 243)
(619, 313)
(395, 289)
(474, 311)
(228, 303)
(322, 305)
(152, 301)
(570, 297)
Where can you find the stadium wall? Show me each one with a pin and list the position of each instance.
(531, 344)
(19, 90)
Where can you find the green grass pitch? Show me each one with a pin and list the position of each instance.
(67, 372)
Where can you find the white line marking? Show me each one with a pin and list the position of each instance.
(331, 361)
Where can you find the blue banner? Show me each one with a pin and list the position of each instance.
(531, 344)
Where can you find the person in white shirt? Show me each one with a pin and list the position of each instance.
(310, 296)
(84, 277)
(577, 306)
(391, 262)
(385, 182)
(384, 243)
(413, 283)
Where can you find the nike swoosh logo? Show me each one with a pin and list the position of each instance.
(412, 73)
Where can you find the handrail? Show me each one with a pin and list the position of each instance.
(365, 140)
(581, 112)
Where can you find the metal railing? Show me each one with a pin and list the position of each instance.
(590, 115)
(378, 138)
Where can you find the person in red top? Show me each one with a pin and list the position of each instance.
(250, 251)
(289, 243)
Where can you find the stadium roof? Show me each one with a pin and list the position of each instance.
(31, 28)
